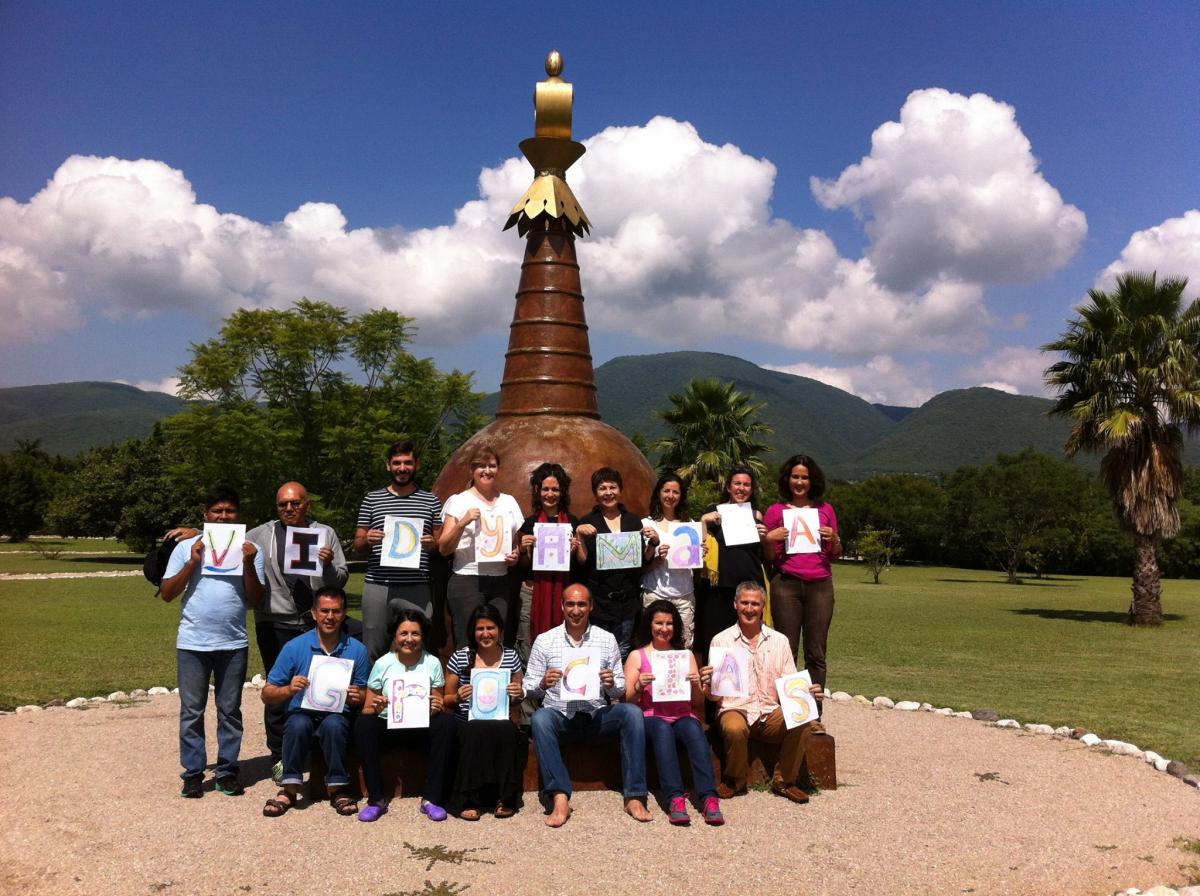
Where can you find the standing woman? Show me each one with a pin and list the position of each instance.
(551, 502)
(735, 563)
(802, 588)
(671, 722)
(486, 774)
(407, 654)
(469, 515)
(668, 504)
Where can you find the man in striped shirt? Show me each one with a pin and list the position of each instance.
(566, 718)
(390, 589)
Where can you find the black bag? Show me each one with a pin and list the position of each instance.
(155, 564)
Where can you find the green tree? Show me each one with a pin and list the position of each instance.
(912, 506)
(1023, 504)
(713, 427)
(28, 478)
(878, 548)
(1130, 385)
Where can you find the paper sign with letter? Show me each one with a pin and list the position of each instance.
(494, 539)
(408, 700)
(552, 547)
(581, 675)
(731, 671)
(401, 545)
(328, 681)
(618, 550)
(670, 668)
(797, 704)
(737, 524)
(803, 526)
(223, 548)
(301, 545)
(685, 550)
(489, 694)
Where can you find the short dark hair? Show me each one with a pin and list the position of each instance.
(816, 476)
(330, 591)
(741, 470)
(681, 510)
(606, 474)
(410, 615)
(540, 475)
(219, 493)
(642, 635)
(404, 446)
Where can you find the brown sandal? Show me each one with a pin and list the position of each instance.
(279, 804)
(469, 814)
(344, 804)
(503, 811)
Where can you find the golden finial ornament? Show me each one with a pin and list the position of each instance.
(551, 151)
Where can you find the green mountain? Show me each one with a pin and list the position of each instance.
(69, 418)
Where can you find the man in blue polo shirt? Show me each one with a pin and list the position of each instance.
(289, 680)
(212, 643)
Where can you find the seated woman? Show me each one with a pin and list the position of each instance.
(668, 722)
(487, 772)
(407, 654)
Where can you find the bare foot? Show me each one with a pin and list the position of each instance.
(561, 812)
(637, 810)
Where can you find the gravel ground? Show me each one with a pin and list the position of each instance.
(926, 804)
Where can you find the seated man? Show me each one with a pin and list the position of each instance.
(564, 719)
(289, 680)
(758, 716)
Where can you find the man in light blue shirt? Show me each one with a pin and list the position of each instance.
(564, 718)
(212, 644)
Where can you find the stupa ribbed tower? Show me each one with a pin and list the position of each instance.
(548, 409)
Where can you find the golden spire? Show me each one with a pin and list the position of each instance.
(551, 152)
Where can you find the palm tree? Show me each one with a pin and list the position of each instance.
(1130, 384)
(715, 427)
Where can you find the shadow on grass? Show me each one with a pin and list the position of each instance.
(1021, 583)
(1088, 615)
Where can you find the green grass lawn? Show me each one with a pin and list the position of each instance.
(1055, 651)
(65, 544)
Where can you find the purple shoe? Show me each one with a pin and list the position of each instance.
(434, 811)
(712, 812)
(373, 812)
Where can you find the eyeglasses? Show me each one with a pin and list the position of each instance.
(283, 505)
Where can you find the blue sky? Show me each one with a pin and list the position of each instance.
(164, 163)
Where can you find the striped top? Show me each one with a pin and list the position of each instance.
(421, 505)
(458, 665)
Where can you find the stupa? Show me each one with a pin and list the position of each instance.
(548, 409)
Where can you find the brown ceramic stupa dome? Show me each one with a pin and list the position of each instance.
(548, 409)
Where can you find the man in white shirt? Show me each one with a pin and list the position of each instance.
(566, 717)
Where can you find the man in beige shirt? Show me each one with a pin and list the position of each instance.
(758, 715)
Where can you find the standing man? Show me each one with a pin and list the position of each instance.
(565, 718)
(212, 644)
(389, 589)
(286, 611)
(758, 716)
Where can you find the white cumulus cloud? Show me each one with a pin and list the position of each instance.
(952, 191)
(1012, 368)
(169, 385)
(1171, 248)
(881, 380)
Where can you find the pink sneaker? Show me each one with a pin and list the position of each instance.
(679, 813)
(712, 812)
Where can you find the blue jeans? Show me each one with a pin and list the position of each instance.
(193, 669)
(688, 731)
(619, 721)
(332, 729)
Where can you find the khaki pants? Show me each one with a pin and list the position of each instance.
(769, 728)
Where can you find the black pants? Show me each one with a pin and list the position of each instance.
(271, 636)
(371, 733)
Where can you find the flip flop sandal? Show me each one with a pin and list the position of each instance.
(278, 805)
(344, 805)
(469, 814)
(503, 811)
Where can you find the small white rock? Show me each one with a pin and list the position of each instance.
(926, 707)
(1089, 740)
(1161, 890)
(138, 693)
(963, 714)
(32, 707)
(1152, 757)
(97, 699)
(117, 695)
(1007, 723)
(825, 693)
(1034, 728)
(944, 711)
(1190, 891)
(247, 685)
(883, 703)
(1122, 749)
(1161, 763)
(860, 699)
(840, 697)
(1064, 731)
(174, 690)
(908, 706)
(77, 702)
(258, 681)
(158, 691)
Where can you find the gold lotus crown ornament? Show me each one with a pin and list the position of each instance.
(551, 152)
